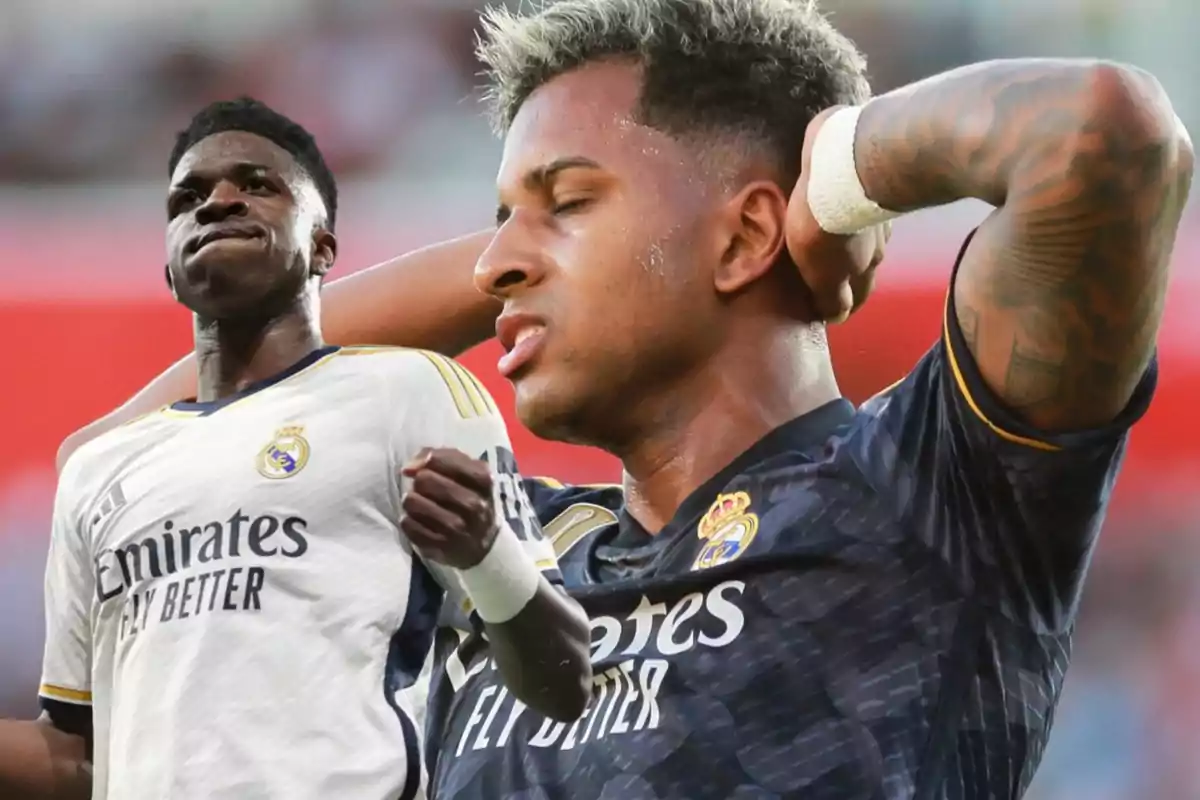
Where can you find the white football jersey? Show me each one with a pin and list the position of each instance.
(229, 590)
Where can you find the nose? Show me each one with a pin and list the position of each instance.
(512, 261)
(224, 201)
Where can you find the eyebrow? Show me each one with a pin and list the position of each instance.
(240, 169)
(539, 177)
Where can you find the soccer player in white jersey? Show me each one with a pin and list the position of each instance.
(240, 588)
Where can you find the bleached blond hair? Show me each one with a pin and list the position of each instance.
(762, 68)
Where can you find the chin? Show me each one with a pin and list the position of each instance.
(229, 310)
(226, 262)
(227, 301)
(544, 411)
(558, 414)
(231, 294)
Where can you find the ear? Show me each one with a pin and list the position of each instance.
(170, 281)
(324, 252)
(754, 221)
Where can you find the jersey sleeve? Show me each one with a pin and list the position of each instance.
(1015, 512)
(455, 410)
(66, 686)
(552, 498)
(569, 512)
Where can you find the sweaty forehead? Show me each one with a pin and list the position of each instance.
(589, 112)
(217, 153)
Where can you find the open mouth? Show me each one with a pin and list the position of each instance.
(522, 337)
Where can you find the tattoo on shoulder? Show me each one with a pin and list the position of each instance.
(1073, 273)
(1061, 291)
(1079, 290)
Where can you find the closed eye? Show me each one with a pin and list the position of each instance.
(572, 205)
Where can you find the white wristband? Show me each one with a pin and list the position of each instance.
(504, 582)
(835, 194)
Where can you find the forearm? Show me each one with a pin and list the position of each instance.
(543, 653)
(992, 130)
(425, 299)
(176, 383)
(38, 762)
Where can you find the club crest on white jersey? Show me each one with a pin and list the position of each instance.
(285, 455)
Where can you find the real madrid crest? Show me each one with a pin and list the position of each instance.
(285, 455)
(727, 528)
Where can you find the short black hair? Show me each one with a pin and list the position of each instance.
(762, 68)
(253, 116)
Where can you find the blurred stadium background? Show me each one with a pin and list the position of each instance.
(91, 92)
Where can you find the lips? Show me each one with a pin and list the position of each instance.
(219, 234)
(522, 336)
(514, 328)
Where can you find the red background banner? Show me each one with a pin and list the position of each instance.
(68, 362)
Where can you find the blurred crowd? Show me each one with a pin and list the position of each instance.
(1127, 727)
(92, 92)
(94, 89)
(101, 98)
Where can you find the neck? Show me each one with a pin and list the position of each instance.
(735, 400)
(233, 354)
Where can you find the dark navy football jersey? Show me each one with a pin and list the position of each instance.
(870, 603)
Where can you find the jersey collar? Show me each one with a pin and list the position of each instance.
(204, 409)
(632, 547)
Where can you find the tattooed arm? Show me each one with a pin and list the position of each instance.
(1060, 292)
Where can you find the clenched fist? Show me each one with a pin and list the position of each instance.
(449, 514)
(838, 270)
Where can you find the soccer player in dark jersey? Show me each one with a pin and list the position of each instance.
(793, 598)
